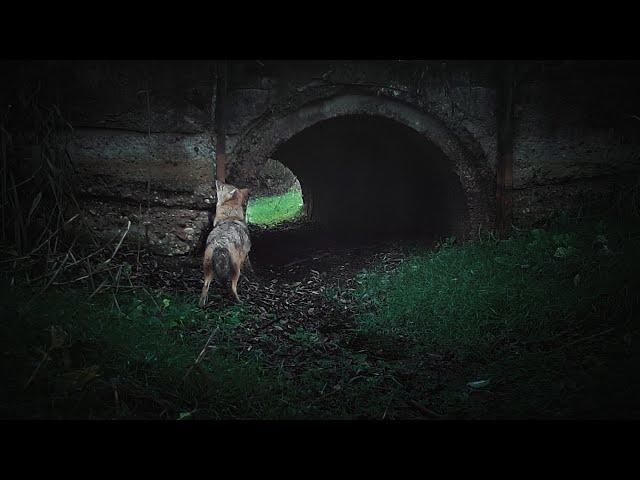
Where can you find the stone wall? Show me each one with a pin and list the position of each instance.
(577, 138)
(144, 143)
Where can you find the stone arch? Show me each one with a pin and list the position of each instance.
(263, 138)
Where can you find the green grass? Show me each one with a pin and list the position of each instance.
(547, 316)
(274, 210)
(143, 349)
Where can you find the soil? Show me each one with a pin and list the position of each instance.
(293, 287)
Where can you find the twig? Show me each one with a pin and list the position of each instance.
(303, 260)
(265, 325)
(99, 287)
(117, 280)
(152, 299)
(120, 242)
(203, 352)
(45, 356)
(424, 410)
(588, 338)
(64, 261)
(89, 275)
(115, 299)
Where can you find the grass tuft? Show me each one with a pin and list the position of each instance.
(271, 211)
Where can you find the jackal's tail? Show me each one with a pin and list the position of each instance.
(222, 266)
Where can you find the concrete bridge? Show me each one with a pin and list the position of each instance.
(443, 147)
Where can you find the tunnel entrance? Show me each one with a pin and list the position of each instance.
(278, 197)
(364, 174)
(366, 179)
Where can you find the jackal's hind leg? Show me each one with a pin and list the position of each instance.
(207, 265)
(247, 268)
(234, 285)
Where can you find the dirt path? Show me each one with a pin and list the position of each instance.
(305, 314)
(309, 289)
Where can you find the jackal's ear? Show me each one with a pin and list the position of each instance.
(233, 193)
(244, 192)
(218, 185)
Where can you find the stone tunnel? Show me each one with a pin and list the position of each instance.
(378, 146)
(368, 164)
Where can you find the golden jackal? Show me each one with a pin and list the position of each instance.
(228, 244)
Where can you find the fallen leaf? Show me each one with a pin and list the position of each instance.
(479, 383)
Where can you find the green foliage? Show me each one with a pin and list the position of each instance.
(537, 325)
(273, 210)
(529, 310)
(142, 349)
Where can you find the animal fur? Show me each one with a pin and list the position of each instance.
(228, 244)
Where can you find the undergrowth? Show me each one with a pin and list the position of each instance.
(544, 319)
(538, 325)
(66, 357)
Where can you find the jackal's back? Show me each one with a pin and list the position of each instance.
(230, 234)
(230, 243)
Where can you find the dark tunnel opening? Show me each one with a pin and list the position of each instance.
(368, 179)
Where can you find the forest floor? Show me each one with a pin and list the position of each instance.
(538, 325)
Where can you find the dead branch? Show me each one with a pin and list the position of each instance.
(203, 352)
